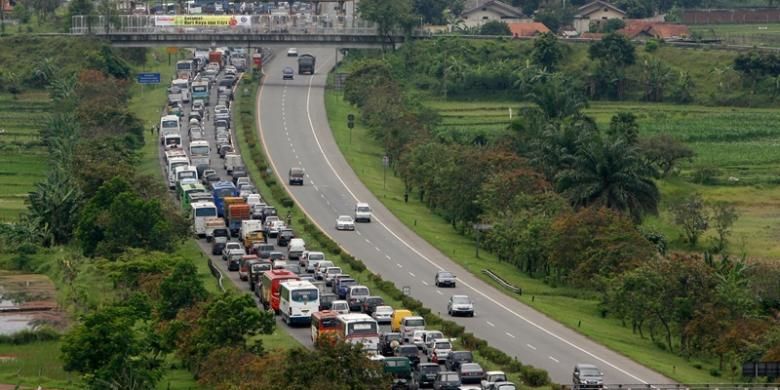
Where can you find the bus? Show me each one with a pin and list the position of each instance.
(169, 124)
(199, 152)
(174, 163)
(186, 174)
(219, 191)
(202, 211)
(172, 141)
(196, 197)
(359, 328)
(324, 322)
(270, 287)
(185, 69)
(183, 192)
(200, 91)
(297, 301)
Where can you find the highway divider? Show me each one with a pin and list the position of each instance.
(530, 375)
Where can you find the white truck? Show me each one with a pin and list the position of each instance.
(174, 163)
(249, 226)
(232, 160)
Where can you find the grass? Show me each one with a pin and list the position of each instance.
(568, 306)
(22, 158)
(756, 33)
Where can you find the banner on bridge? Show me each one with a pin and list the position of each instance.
(202, 20)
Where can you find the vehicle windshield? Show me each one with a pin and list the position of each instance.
(267, 247)
(461, 300)
(346, 283)
(589, 371)
(429, 369)
(261, 267)
(345, 219)
(329, 323)
(414, 322)
(363, 209)
(172, 140)
(187, 175)
(443, 345)
(359, 291)
(449, 378)
(224, 192)
(407, 350)
(362, 328)
(333, 270)
(200, 150)
(316, 256)
(470, 367)
(507, 387)
(170, 124)
(308, 295)
(445, 275)
(206, 212)
(498, 378)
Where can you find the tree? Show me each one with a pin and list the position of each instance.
(181, 289)
(85, 8)
(611, 174)
(431, 11)
(558, 96)
(109, 349)
(690, 214)
(682, 90)
(389, 16)
(343, 364)
(663, 152)
(229, 320)
(655, 76)
(614, 53)
(723, 215)
(495, 27)
(623, 126)
(21, 13)
(54, 207)
(547, 52)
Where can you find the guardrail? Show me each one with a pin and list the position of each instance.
(502, 282)
(217, 274)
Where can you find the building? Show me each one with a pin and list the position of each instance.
(596, 12)
(485, 11)
(643, 30)
(527, 29)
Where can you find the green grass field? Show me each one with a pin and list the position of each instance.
(756, 33)
(22, 159)
(568, 306)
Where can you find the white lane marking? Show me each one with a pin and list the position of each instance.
(425, 283)
(553, 359)
(440, 268)
(491, 324)
(509, 334)
(377, 249)
(368, 241)
(431, 262)
(411, 274)
(388, 257)
(531, 346)
(358, 232)
(315, 187)
(399, 265)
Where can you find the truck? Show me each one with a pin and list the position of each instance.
(236, 213)
(213, 224)
(250, 226)
(200, 91)
(306, 63)
(215, 57)
(199, 153)
(220, 190)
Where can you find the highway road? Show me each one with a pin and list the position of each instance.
(294, 128)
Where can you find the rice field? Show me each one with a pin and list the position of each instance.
(742, 145)
(22, 158)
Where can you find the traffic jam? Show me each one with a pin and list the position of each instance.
(251, 242)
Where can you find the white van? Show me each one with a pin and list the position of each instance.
(172, 141)
(232, 160)
(362, 212)
(409, 325)
(295, 248)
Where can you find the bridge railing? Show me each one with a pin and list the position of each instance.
(251, 24)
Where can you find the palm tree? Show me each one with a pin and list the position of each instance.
(612, 174)
(557, 96)
(53, 207)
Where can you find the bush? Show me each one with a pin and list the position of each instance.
(514, 366)
(535, 377)
(28, 336)
(706, 175)
(715, 372)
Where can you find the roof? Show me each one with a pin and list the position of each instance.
(592, 7)
(635, 28)
(527, 29)
(504, 9)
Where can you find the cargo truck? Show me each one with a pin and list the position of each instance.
(306, 63)
(236, 213)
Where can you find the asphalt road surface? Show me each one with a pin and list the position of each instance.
(295, 131)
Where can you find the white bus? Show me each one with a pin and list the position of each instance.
(201, 212)
(298, 300)
(199, 152)
(186, 174)
(185, 69)
(359, 328)
(172, 141)
(174, 163)
(169, 124)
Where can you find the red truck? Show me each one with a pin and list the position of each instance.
(269, 287)
(237, 212)
(215, 57)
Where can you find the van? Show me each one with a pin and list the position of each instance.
(395, 320)
(295, 248)
(232, 161)
(295, 176)
(355, 296)
(362, 212)
(409, 324)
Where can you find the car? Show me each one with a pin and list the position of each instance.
(329, 273)
(587, 376)
(438, 350)
(382, 314)
(456, 358)
(370, 303)
(340, 306)
(284, 236)
(444, 278)
(263, 251)
(345, 222)
(239, 172)
(310, 256)
(355, 296)
(295, 176)
(447, 380)
(417, 338)
(294, 268)
(232, 246)
(234, 263)
(426, 374)
(342, 285)
(362, 212)
(292, 52)
(470, 373)
(326, 300)
(276, 255)
(288, 73)
(492, 377)
(408, 351)
(225, 149)
(429, 337)
(460, 305)
(209, 176)
(319, 270)
(388, 342)
(503, 386)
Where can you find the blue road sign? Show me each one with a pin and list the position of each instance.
(148, 78)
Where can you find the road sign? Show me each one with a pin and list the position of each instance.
(350, 117)
(148, 78)
(386, 161)
(171, 50)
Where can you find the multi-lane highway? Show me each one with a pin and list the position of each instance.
(294, 128)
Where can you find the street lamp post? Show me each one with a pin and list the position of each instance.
(479, 228)
(385, 164)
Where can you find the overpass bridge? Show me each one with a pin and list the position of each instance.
(236, 30)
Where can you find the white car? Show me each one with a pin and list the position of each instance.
(345, 222)
(460, 304)
(439, 350)
(292, 52)
(341, 307)
(382, 314)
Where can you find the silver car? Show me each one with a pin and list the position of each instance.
(345, 222)
(460, 305)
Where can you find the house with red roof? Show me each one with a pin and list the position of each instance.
(527, 29)
(643, 30)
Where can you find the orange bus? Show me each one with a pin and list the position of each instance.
(324, 322)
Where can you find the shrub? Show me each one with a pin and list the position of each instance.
(28, 336)
(706, 175)
(514, 366)
(715, 372)
(535, 377)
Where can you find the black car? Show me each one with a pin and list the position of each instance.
(217, 248)
(388, 342)
(444, 278)
(426, 374)
(276, 256)
(370, 303)
(284, 237)
(267, 212)
(256, 271)
(447, 380)
(409, 351)
(456, 358)
(326, 300)
(234, 264)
